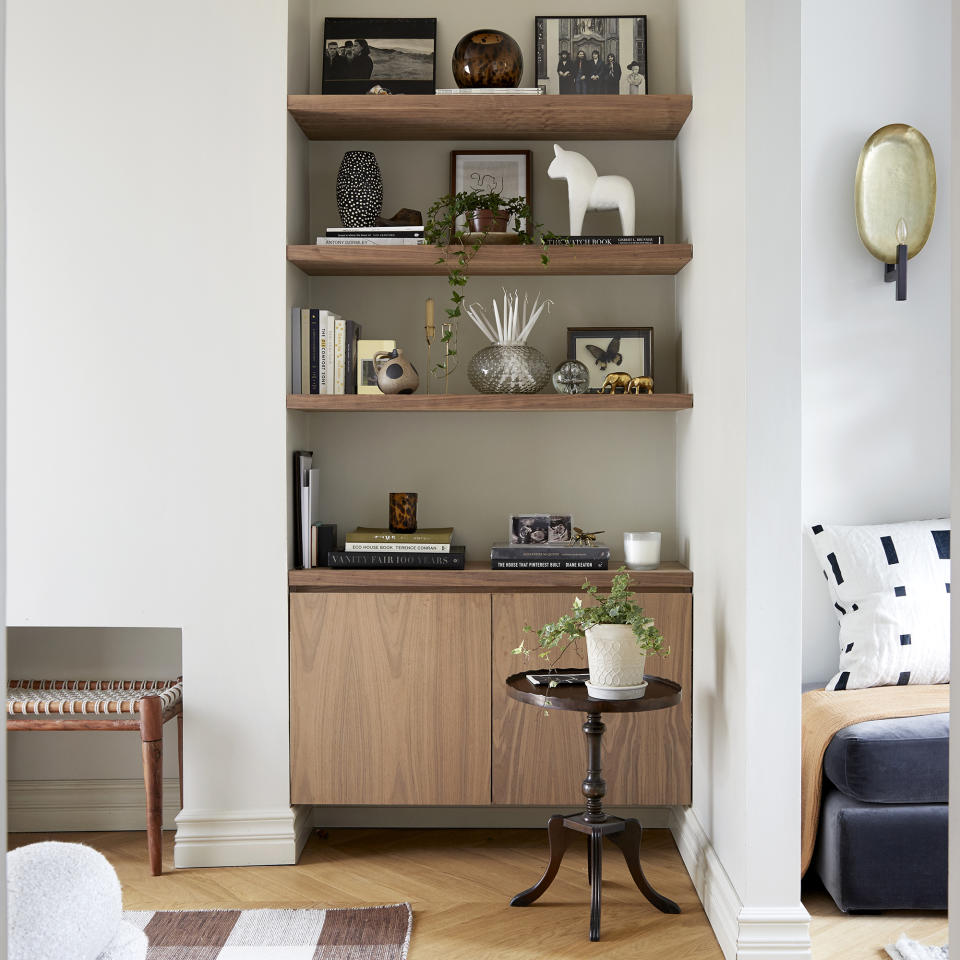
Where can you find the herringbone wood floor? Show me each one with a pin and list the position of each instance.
(459, 882)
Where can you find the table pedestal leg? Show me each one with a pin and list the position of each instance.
(629, 843)
(559, 838)
(596, 864)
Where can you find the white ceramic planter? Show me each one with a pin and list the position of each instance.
(616, 662)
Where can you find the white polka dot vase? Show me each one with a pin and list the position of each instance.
(359, 189)
(616, 662)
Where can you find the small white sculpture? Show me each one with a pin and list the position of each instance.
(587, 191)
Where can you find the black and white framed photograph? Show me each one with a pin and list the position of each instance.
(506, 172)
(592, 55)
(379, 55)
(561, 528)
(611, 350)
(527, 528)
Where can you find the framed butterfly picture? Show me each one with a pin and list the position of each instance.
(611, 350)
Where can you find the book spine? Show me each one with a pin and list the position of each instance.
(296, 384)
(315, 351)
(411, 561)
(324, 351)
(549, 564)
(305, 349)
(558, 553)
(398, 228)
(374, 235)
(602, 241)
(371, 547)
(350, 357)
(369, 242)
(369, 536)
(339, 370)
(541, 48)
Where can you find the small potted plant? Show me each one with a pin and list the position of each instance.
(484, 212)
(619, 638)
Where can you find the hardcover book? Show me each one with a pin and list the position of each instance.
(549, 564)
(385, 535)
(454, 560)
(559, 551)
(375, 546)
(339, 350)
(369, 242)
(352, 338)
(599, 240)
(296, 381)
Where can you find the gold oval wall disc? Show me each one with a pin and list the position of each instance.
(896, 179)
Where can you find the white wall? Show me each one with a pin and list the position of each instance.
(876, 414)
(738, 498)
(146, 157)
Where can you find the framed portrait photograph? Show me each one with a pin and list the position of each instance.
(611, 350)
(592, 55)
(395, 55)
(506, 172)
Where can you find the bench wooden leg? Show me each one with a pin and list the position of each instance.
(151, 735)
(180, 753)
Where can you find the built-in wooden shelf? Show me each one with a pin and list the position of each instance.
(485, 117)
(671, 577)
(489, 403)
(640, 259)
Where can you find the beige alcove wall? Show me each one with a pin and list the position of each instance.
(613, 472)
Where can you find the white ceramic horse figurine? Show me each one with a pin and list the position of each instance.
(587, 191)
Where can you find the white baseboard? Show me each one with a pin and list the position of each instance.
(61, 806)
(452, 818)
(240, 838)
(744, 933)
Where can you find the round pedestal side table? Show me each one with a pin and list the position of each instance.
(594, 821)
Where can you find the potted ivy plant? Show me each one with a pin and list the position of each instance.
(619, 638)
(484, 212)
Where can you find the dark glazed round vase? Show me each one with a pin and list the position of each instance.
(359, 189)
(487, 58)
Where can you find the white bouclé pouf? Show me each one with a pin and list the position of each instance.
(64, 900)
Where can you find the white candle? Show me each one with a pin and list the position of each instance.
(642, 550)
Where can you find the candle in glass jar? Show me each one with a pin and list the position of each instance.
(642, 550)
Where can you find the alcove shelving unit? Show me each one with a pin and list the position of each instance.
(362, 639)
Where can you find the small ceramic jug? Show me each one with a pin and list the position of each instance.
(395, 374)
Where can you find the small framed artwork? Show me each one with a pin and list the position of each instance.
(379, 55)
(366, 373)
(540, 528)
(592, 55)
(611, 350)
(506, 172)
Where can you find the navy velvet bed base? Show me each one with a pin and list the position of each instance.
(882, 840)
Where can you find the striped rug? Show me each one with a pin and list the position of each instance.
(361, 933)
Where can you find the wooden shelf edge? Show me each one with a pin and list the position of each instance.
(490, 403)
(671, 577)
(654, 259)
(492, 117)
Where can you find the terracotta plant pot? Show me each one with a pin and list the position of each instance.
(487, 221)
(616, 662)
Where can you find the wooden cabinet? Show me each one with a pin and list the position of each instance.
(398, 697)
(388, 703)
(541, 759)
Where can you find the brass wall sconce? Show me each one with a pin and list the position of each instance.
(895, 198)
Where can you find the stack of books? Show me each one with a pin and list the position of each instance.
(549, 556)
(377, 547)
(372, 236)
(323, 352)
(595, 239)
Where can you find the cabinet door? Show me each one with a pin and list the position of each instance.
(390, 702)
(541, 759)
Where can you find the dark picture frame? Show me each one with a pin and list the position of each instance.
(485, 173)
(614, 350)
(392, 54)
(560, 41)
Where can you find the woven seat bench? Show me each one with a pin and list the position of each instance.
(143, 705)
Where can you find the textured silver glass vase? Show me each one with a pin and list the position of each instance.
(505, 369)
(359, 189)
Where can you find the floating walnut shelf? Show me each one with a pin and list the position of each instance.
(484, 403)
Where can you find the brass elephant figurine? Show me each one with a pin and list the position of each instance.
(615, 381)
(640, 385)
